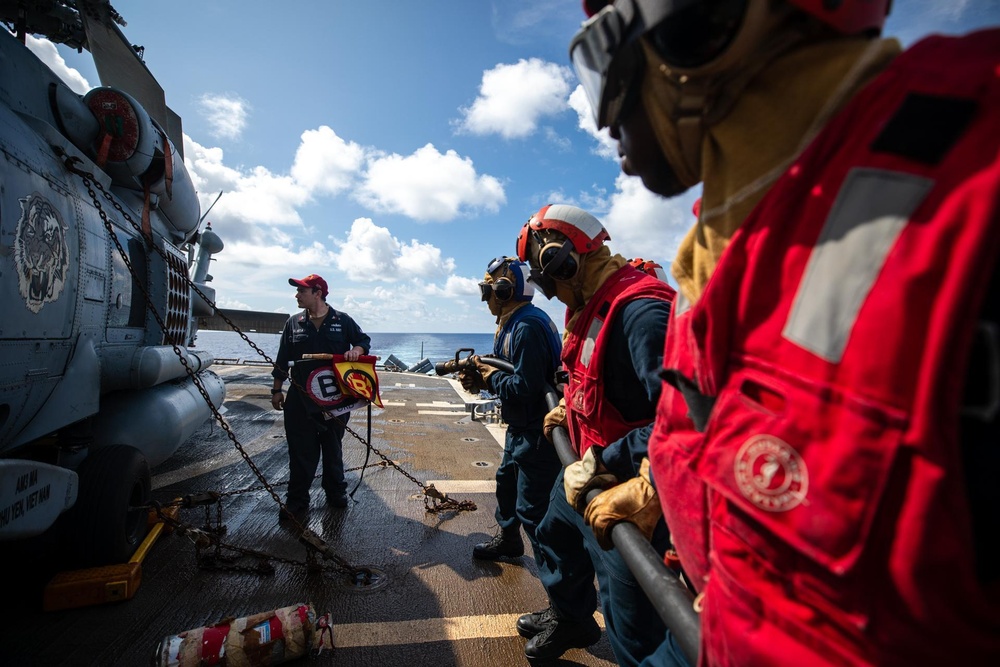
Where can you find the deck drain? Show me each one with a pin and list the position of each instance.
(396, 421)
(366, 580)
(481, 464)
(470, 439)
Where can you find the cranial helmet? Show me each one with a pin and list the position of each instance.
(507, 279)
(649, 267)
(694, 38)
(553, 240)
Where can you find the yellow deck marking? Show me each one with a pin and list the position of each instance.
(352, 635)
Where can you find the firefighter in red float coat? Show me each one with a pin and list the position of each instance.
(825, 445)
(590, 418)
(616, 320)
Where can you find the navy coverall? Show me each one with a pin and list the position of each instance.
(529, 466)
(307, 436)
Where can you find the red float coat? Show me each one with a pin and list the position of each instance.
(590, 418)
(811, 469)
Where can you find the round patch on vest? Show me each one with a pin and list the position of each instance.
(771, 474)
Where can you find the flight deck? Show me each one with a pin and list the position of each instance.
(424, 600)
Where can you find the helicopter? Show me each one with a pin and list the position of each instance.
(103, 274)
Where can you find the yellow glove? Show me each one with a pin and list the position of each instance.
(485, 370)
(555, 417)
(471, 380)
(634, 500)
(586, 474)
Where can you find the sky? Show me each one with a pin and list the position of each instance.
(396, 147)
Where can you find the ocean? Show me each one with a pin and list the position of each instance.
(407, 347)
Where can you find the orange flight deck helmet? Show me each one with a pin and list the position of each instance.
(553, 240)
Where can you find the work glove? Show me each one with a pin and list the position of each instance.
(485, 370)
(586, 474)
(471, 380)
(555, 417)
(634, 500)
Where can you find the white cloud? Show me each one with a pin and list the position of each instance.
(48, 54)
(606, 146)
(256, 197)
(428, 186)
(457, 286)
(514, 98)
(642, 224)
(226, 114)
(259, 272)
(371, 253)
(325, 163)
(234, 304)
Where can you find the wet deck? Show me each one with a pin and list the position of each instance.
(436, 606)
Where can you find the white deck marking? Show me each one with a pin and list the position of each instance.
(394, 404)
(353, 635)
(440, 404)
(463, 413)
(464, 485)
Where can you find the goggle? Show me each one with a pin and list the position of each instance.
(607, 56)
(485, 290)
(495, 265)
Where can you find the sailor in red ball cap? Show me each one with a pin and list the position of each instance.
(317, 329)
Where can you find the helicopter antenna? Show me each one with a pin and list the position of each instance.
(210, 208)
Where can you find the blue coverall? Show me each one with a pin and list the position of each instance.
(307, 436)
(529, 466)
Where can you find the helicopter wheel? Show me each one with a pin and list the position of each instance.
(108, 521)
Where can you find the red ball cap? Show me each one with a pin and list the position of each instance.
(591, 7)
(311, 281)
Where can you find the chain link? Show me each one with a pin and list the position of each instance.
(439, 502)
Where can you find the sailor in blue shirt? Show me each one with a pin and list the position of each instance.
(317, 329)
(528, 339)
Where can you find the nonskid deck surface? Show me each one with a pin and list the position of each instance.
(436, 605)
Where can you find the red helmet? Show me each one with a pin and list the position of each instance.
(650, 267)
(584, 231)
(555, 258)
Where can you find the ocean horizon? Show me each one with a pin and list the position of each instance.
(409, 348)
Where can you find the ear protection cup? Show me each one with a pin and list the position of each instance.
(559, 260)
(503, 288)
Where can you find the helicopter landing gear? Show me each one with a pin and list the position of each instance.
(108, 522)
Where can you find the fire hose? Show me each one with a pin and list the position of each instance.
(672, 600)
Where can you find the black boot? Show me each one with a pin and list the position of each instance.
(506, 543)
(560, 636)
(532, 624)
(338, 500)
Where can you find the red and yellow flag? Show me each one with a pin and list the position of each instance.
(358, 378)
